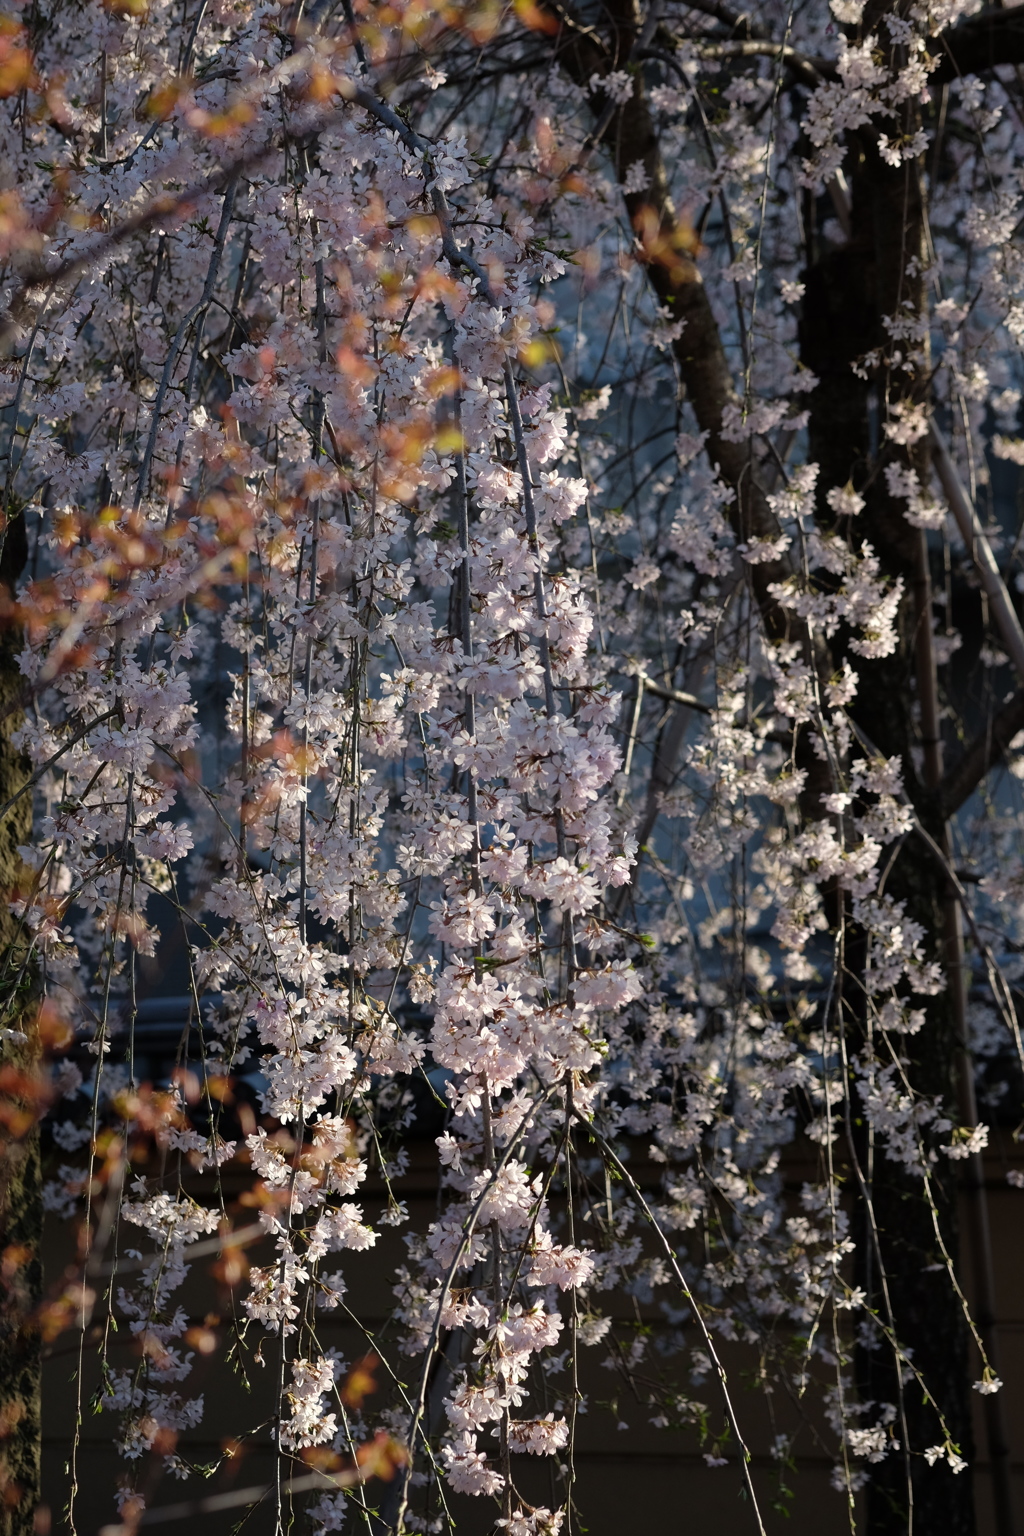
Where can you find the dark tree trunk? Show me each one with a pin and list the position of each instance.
(849, 288)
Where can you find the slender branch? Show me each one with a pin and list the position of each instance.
(241, 1237)
(980, 551)
(634, 725)
(987, 749)
(814, 67)
(72, 741)
(735, 20)
(990, 746)
(978, 1221)
(238, 1498)
(673, 1260)
(676, 696)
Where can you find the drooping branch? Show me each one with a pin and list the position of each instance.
(984, 753)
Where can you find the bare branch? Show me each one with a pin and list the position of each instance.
(815, 67)
(240, 1498)
(676, 696)
(980, 551)
(984, 753)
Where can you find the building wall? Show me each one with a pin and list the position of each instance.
(630, 1479)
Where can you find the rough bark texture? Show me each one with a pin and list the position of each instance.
(20, 1172)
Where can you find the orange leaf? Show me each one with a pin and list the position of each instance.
(534, 17)
(360, 1382)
